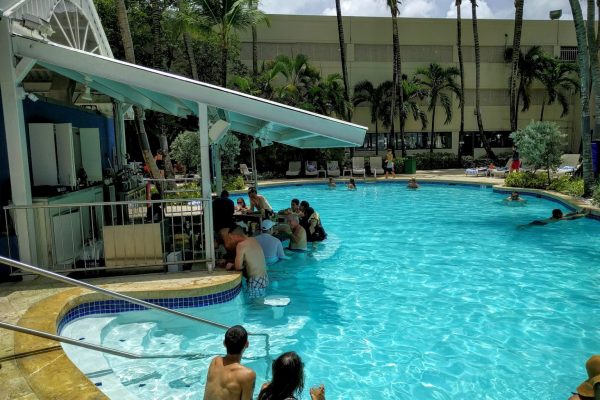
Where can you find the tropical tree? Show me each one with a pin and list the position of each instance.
(397, 65)
(484, 139)
(531, 65)
(299, 77)
(515, 63)
(594, 63)
(461, 69)
(227, 16)
(441, 84)
(559, 82)
(365, 92)
(340, 24)
(328, 97)
(123, 22)
(583, 59)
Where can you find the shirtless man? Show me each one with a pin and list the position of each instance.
(249, 256)
(295, 232)
(227, 378)
(294, 208)
(260, 203)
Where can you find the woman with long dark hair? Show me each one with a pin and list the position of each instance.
(288, 380)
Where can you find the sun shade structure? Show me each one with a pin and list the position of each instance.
(176, 95)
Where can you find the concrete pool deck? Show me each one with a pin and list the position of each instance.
(34, 368)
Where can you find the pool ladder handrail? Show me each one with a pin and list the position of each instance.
(143, 303)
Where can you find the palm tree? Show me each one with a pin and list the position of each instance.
(365, 92)
(559, 83)
(515, 63)
(594, 63)
(583, 60)
(461, 69)
(123, 22)
(484, 139)
(531, 65)
(328, 97)
(441, 84)
(227, 16)
(397, 68)
(184, 23)
(299, 78)
(340, 24)
(412, 93)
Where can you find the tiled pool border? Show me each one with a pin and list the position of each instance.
(118, 306)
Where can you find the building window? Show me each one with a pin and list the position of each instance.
(496, 138)
(421, 140)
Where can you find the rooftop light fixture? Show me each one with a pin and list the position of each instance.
(555, 14)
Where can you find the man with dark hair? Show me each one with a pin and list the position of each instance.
(260, 203)
(249, 257)
(294, 208)
(227, 378)
(223, 209)
(557, 215)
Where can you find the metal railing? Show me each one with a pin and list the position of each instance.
(110, 293)
(112, 235)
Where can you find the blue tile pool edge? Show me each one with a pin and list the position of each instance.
(118, 306)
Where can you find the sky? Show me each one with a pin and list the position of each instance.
(501, 9)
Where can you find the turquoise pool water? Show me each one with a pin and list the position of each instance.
(427, 294)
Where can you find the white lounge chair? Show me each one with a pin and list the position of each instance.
(333, 168)
(247, 172)
(568, 164)
(501, 171)
(293, 169)
(310, 168)
(478, 171)
(376, 167)
(358, 166)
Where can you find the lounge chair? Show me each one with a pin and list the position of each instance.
(333, 168)
(293, 169)
(358, 166)
(568, 164)
(376, 167)
(501, 171)
(477, 171)
(310, 168)
(247, 172)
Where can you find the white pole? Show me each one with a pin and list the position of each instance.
(206, 187)
(16, 146)
(120, 134)
(253, 159)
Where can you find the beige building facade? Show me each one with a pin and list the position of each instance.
(424, 41)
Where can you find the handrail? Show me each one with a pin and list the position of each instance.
(66, 279)
(103, 203)
(103, 349)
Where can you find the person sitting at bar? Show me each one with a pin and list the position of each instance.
(294, 208)
(271, 246)
(260, 203)
(223, 210)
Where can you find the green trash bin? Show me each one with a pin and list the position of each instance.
(410, 165)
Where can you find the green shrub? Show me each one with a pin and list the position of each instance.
(399, 165)
(235, 182)
(567, 185)
(596, 195)
(185, 191)
(525, 180)
(436, 160)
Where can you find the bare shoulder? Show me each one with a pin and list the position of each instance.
(247, 374)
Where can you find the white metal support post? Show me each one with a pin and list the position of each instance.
(206, 186)
(216, 154)
(120, 134)
(16, 143)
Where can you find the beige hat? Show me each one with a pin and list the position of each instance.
(593, 370)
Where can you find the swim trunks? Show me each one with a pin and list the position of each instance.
(298, 250)
(257, 286)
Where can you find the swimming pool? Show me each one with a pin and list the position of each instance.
(427, 294)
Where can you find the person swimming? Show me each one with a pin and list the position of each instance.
(351, 184)
(515, 198)
(331, 183)
(557, 215)
(412, 184)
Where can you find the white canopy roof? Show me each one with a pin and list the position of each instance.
(179, 96)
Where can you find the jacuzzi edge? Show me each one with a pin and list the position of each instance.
(48, 370)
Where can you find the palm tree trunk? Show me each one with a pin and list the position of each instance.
(461, 67)
(432, 130)
(594, 64)
(376, 139)
(189, 49)
(515, 63)
(583, 58)
(223, 56)
(123, 22)
(254, 44)
(342, 52)
(543, 106)
(398, 90)
(486, 142)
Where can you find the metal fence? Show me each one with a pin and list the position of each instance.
(113, 235)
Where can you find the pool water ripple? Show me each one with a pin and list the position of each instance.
(427, 294)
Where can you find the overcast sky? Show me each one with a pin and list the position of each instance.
(534, 9)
